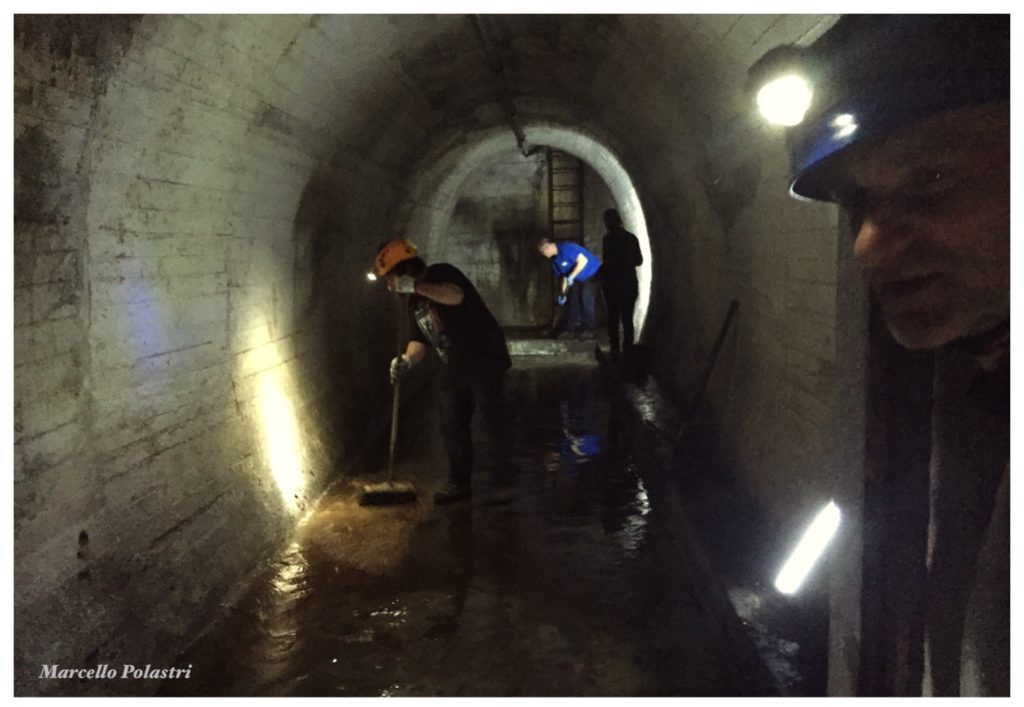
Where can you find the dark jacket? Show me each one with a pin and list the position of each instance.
(621, 256)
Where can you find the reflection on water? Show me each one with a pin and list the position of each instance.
(579, 442)
(579, 412)
(634, 525)
(556, 593)
(276, 615)
(394, 614)
(290, 579)
(577, 449)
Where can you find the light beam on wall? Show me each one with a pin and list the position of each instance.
(281, 437)
(279, 430)
(147, 315)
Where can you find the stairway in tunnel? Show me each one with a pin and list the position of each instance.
(558, 592)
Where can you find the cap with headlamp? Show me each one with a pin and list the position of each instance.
(871, 75)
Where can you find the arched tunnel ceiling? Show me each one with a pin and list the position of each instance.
(243, 115)
(396, 82)
(400, 91)
(198, 199)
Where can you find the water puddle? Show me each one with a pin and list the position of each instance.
(558, 592)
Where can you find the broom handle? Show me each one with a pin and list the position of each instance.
(692, 410)
(394, 403)
(394, 433)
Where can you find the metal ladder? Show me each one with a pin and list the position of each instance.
(565, 207)
(565, 196)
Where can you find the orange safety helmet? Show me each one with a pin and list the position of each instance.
(391, 254)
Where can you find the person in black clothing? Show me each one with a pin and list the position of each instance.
(447, 313)
(621, 257)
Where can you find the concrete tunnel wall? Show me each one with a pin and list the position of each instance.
(197, 199)
(501, 210)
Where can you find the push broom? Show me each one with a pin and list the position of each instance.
(390, 492)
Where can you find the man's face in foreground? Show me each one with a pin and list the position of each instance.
(929, 207)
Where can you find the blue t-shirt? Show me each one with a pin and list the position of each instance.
(565, 260)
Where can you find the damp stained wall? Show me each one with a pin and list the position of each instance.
(500, 214)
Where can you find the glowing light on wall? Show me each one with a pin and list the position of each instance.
(279, 430)
(809, 549)
(147, 315)
(281, 437)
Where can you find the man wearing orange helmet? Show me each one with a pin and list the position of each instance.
(447, 314)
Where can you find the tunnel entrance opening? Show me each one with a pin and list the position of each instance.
(456, 187)
(501, 211)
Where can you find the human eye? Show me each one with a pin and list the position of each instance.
(928, 181)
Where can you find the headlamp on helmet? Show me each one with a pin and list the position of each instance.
(391, 254)
(873, 75)
(783, 87)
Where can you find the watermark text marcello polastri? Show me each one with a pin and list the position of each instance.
(108, 672)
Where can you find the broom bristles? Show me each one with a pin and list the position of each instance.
(387, 493)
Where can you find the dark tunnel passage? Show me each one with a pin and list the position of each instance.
(201, 361)
(199, 355)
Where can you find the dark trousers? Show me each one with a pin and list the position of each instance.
(621, 302)
(483, 392)
(582, 303)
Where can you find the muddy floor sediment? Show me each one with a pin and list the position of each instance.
(555, 591)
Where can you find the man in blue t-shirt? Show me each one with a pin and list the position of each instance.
(577, 267)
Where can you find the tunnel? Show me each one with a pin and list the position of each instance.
(200, 362)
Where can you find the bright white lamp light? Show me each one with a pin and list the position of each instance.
(846, 131)
(785, 100)
(371, 277)
(808, 550)
(845, 125)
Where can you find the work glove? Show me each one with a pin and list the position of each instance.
(561, 300)
(405, 285)
(399, 366)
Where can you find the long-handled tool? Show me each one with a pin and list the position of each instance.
(558, 313)
(390, 492)
(712, 359)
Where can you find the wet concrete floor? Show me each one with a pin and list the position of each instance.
(561, 591)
